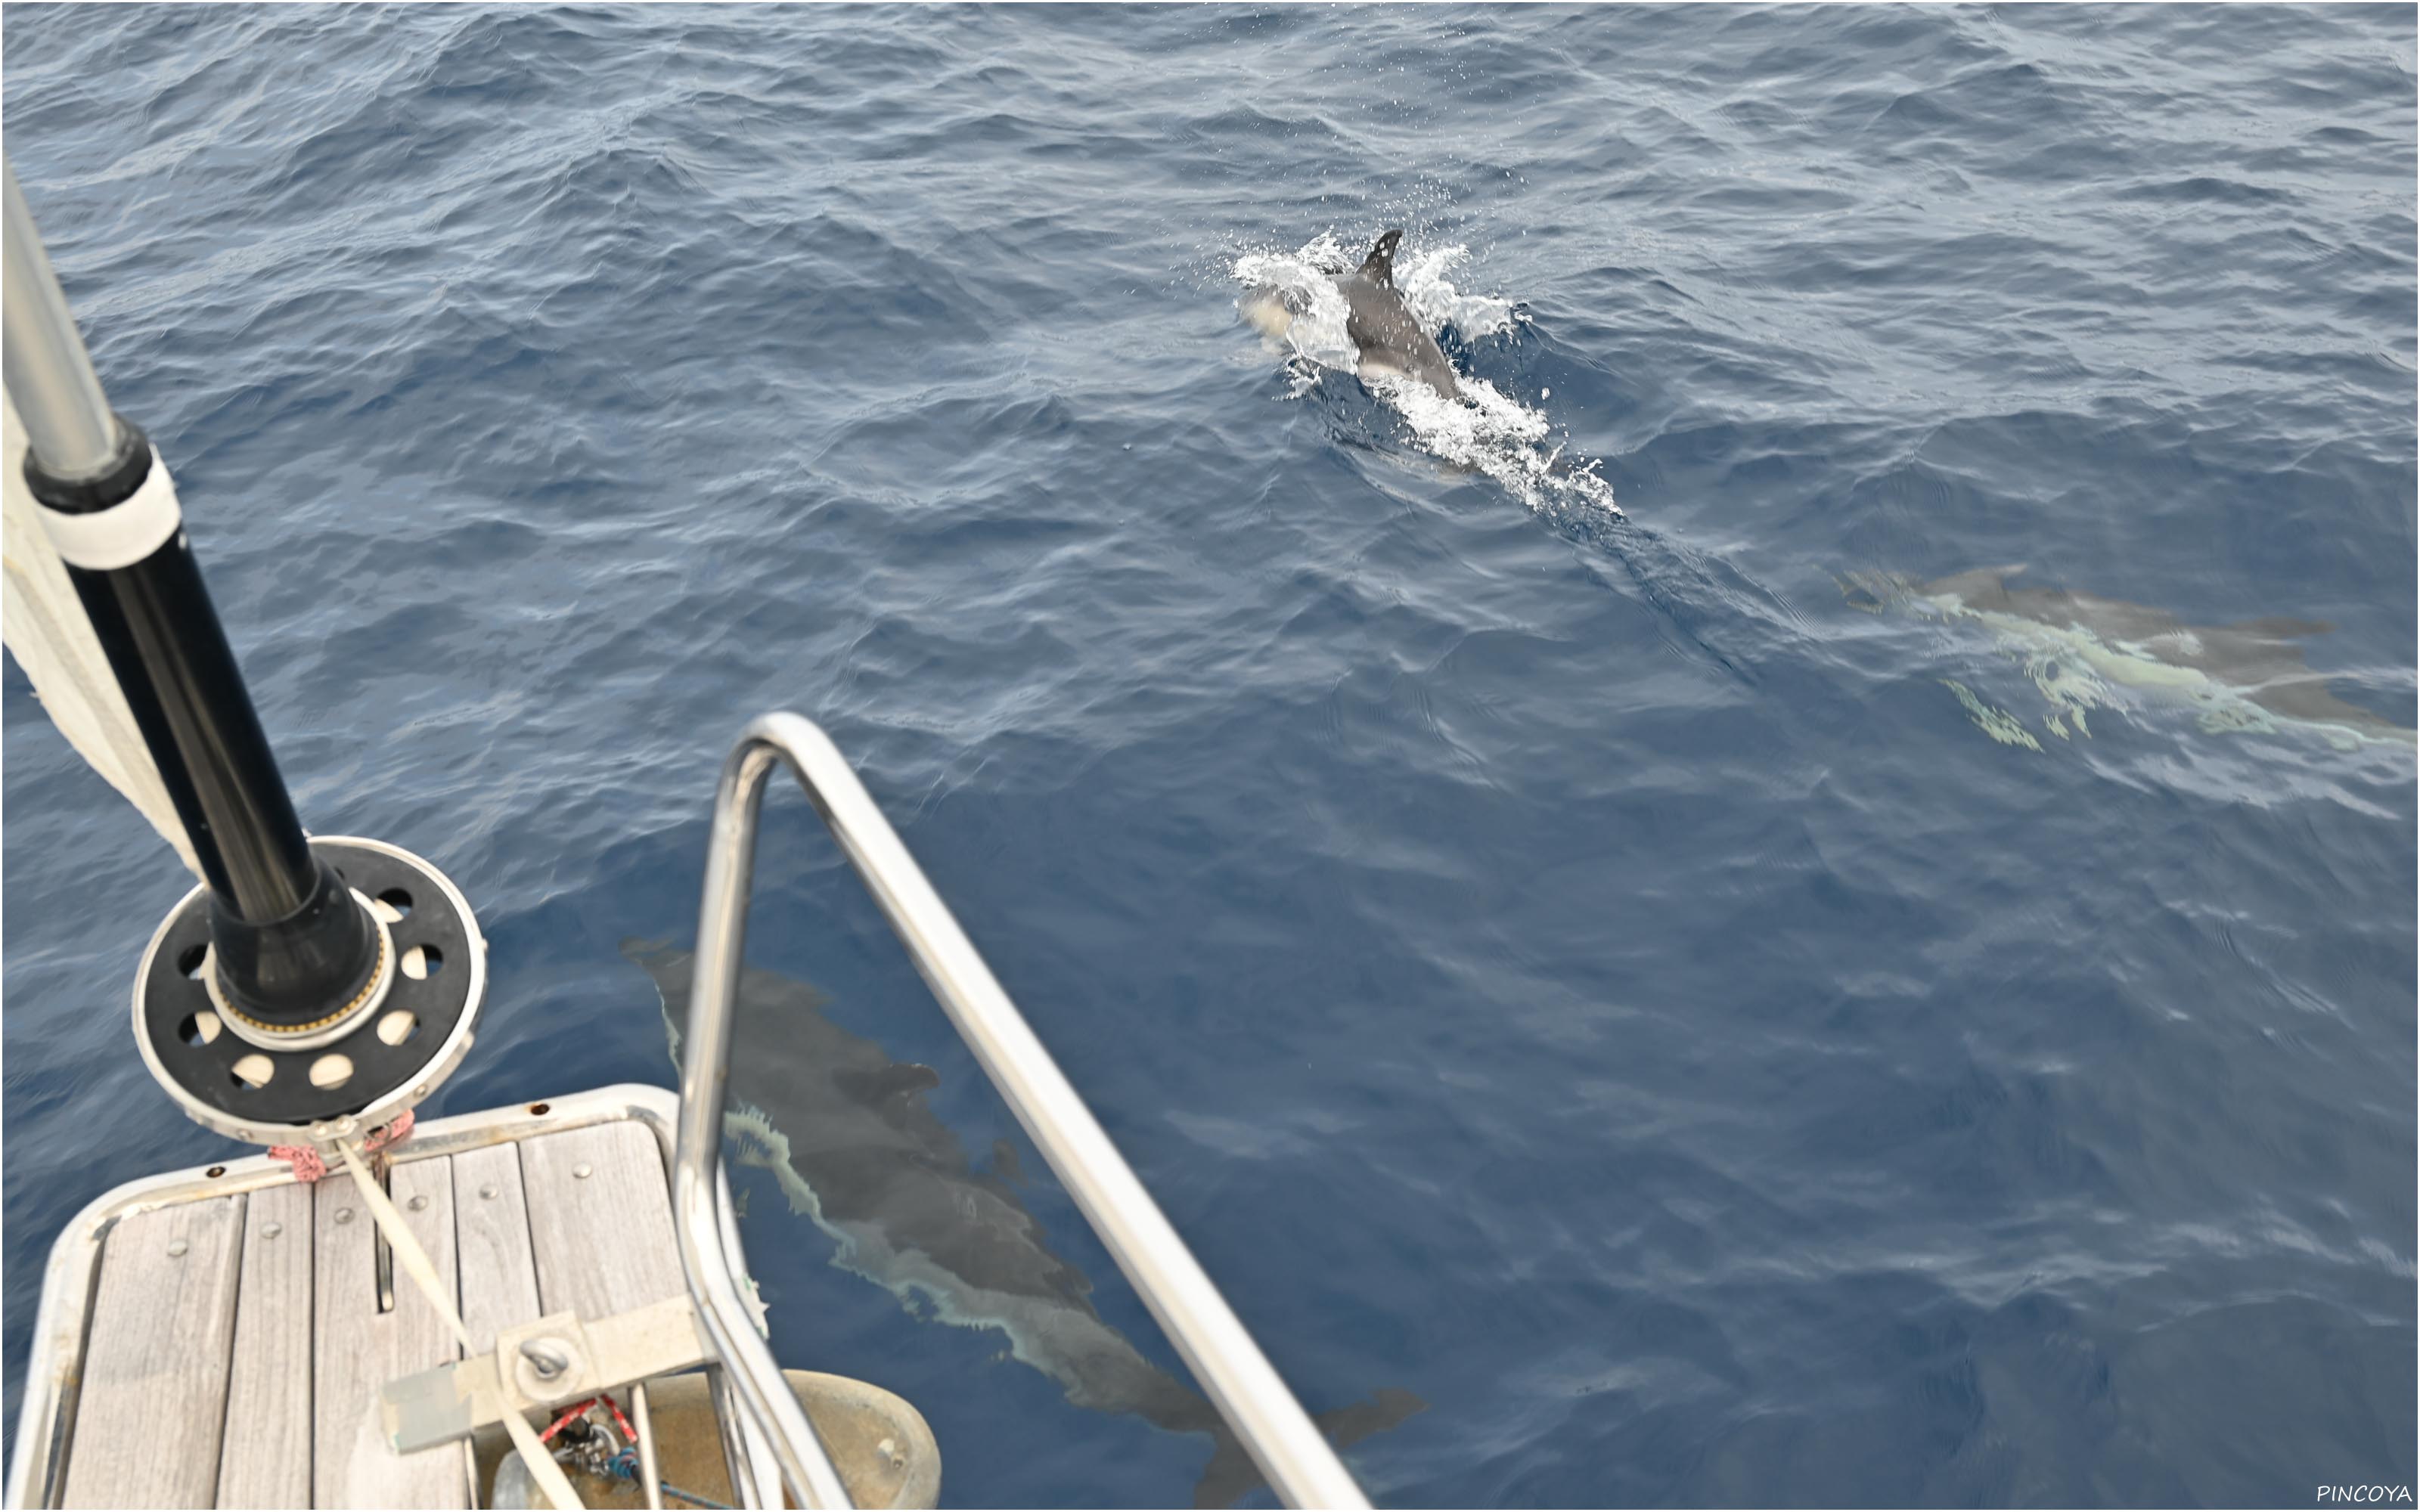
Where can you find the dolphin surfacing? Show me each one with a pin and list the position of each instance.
(1383, 329)
(857, 1150)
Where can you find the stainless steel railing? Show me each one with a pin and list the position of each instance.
(1240, 1381)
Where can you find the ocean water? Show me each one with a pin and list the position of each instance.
(1615, 907)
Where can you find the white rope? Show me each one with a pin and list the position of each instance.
(542, 1467)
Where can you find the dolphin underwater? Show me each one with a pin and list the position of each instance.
(856, 1149)
(2248, 675)
(1383, 327)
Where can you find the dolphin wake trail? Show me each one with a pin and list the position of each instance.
(1295, 300)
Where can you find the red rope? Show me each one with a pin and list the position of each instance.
(309, 1167)
(630, 1434)
(569, 1415)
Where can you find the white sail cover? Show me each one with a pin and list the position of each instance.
(45, 628)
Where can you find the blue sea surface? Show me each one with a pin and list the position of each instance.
(1713, 1008)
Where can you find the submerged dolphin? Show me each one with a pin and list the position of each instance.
(856, 1149)
(1384, 329)
(2248, 675)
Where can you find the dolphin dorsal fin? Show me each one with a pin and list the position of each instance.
(1379, 267)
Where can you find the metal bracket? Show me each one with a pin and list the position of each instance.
(540, 1365)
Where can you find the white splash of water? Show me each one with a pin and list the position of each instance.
(1420, 279)
(1292, 298)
